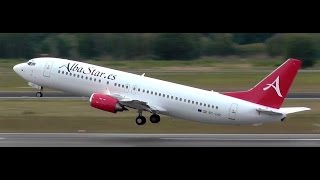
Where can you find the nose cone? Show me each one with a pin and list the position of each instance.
(15, 68)
(18, 68)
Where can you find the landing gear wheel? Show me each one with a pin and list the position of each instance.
(141, 120)
(155, 118)
(39, 94)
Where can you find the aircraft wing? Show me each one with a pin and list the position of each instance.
(137, 104)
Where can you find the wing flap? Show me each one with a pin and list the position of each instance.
(137, 104)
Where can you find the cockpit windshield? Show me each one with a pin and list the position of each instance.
(31, 63)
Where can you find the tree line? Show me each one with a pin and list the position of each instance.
(161, 46)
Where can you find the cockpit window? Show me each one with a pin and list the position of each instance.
(31, 63)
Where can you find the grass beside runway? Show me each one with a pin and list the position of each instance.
(211, 73)
(40, 115)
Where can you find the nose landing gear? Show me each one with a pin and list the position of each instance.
(40, 94)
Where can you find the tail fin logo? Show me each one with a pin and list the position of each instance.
(275, 86)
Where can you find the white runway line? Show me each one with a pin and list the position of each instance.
(216, 139)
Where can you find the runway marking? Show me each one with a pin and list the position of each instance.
(216, 139)
(158, 134)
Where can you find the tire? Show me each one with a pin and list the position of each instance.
(39, 94)
(140, 120)
(155, 118)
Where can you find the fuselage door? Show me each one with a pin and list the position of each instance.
(47, 69)
(233, 111)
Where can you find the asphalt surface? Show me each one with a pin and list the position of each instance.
(57, 94)
(152, 140)
(157, 140)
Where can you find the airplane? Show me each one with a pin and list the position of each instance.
(115, 91)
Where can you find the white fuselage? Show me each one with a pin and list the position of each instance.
(176, 100)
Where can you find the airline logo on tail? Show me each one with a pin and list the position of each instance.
(275, 86)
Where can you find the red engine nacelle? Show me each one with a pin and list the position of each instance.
(106, 103)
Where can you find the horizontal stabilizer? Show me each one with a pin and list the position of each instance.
(289, 110)
(269, 112)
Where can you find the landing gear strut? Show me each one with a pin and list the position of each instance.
(141, 120)
(40, 94)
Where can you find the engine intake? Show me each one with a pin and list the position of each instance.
(106, 103)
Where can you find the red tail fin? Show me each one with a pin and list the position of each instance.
(272, 90)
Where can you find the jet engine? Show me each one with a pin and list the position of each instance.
(106, 103)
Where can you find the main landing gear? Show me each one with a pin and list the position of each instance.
(40, 94)
(141, 120)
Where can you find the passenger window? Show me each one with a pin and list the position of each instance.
(119, 86)
(188, 101)
(176, 98)
(148, 92)
(59, 71)
(155, 93)
(78, 76)
(115, 84)
(66, 73)
(185, 100)
(212, 106)
(81, 77)
(196, 103)
(200, 104)
(180, 99)
(216, 107)
(164, 95)
(99, 80)
(192, 102)
(204, 105)
(95, 79)
(171, 97)
(90, 78)
(151, 92)
(168, 96)
(70, 74)
(143, 90)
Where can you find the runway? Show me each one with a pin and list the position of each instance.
(157, 140)
(57, 94)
